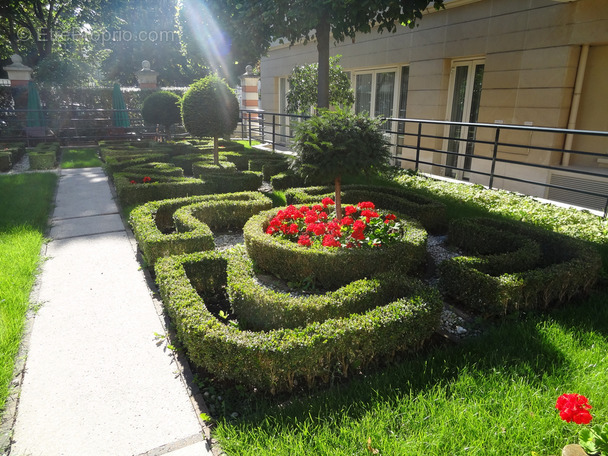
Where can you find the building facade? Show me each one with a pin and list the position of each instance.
(507, 62)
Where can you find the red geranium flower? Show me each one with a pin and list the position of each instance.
(366, 205)
(133, 182)
(304, 240)
(147, 179)
(350, 210)
(330, 241)
(327, 202)
(574, 407)
(293, 228)
(347, 221)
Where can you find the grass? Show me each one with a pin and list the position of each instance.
(24, 210)
(80, 158)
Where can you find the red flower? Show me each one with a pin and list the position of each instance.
(347, 221)
(330, 241)
(270, 230)
(147, 179)
(304, 240)
(133, 182)
(317, 207)
(350, 210)
(368, 214)
(319, 229)
(366, 205)
(304, 209)
(390, 217)
(574, 407)
(311, 217)
(322, 215)
(293, 228)
(327, 202)
(359, 225)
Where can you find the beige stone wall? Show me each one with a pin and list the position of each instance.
(531, 50)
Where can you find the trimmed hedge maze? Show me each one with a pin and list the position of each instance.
(184, 225)
(512, 266)
(279, 359)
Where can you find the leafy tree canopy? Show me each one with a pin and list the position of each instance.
(303, 83)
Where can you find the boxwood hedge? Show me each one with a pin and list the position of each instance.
(545, 268)
(278, 360)
(266, 307)
(429, 211)
(156, 168)
(331, 267)
(154, 228)
(161, 187)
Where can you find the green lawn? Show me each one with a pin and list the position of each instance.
(24, 211)
(85, 157)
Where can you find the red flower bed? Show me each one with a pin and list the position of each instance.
(317, 225)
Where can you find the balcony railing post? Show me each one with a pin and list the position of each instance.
(418, 145)
(274, 123)
(262, 125)
(494, 155)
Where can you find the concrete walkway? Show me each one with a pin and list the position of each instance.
(97, 380)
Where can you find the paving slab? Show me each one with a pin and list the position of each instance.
(98, 380)
(83, 192)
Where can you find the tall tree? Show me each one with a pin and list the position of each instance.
(306, 20)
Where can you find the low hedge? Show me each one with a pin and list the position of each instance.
(283, 181)
(331, 267)
(185, 161)
(244, 181)
(6, 160)
(161, 187)
(261, 308)
(156, 168)
(203, 168)
(496, 284)
(44, 156)
(153, 224)
(120, 162)
(278, 360)
(430, 212)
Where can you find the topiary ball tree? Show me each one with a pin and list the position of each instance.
(162, 108)
(334, 143)
(210, 108)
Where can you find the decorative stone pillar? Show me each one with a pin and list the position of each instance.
(146, 77)
(18, 73)
(249, 89)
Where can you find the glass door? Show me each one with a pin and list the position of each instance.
(466, 84)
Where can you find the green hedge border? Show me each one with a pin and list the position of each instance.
(565, 268)
(157, 168)
(430, 212)
(263, 308)
(276, 360)
(331, 267)
(161, 187)
(150, 222)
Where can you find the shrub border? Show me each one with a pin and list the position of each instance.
(148, 220)
(275, 360)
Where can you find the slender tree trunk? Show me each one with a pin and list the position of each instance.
(216, 154)
(338, 196)
(323, 30)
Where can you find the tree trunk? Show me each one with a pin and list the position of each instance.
(216, 154)
(338, 197)
(323, 30)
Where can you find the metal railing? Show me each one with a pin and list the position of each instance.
(537, 161)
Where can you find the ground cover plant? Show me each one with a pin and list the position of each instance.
(24, 210)
(493, 394)
(80, 158)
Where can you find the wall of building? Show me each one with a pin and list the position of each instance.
(530, 49)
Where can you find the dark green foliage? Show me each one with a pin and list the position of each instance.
(235, 182)
(161, 187)
(5, 161)
(337, 143)
(331, 267)
(154, 226)
(10, 154)
(429, 211)
(262, 308)
(162, 108)
(202, 169)
(44, 156)
(210, 108)
(283, 181)
(275, 360)
(156, 168)
(119, 162)
(515, 267)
